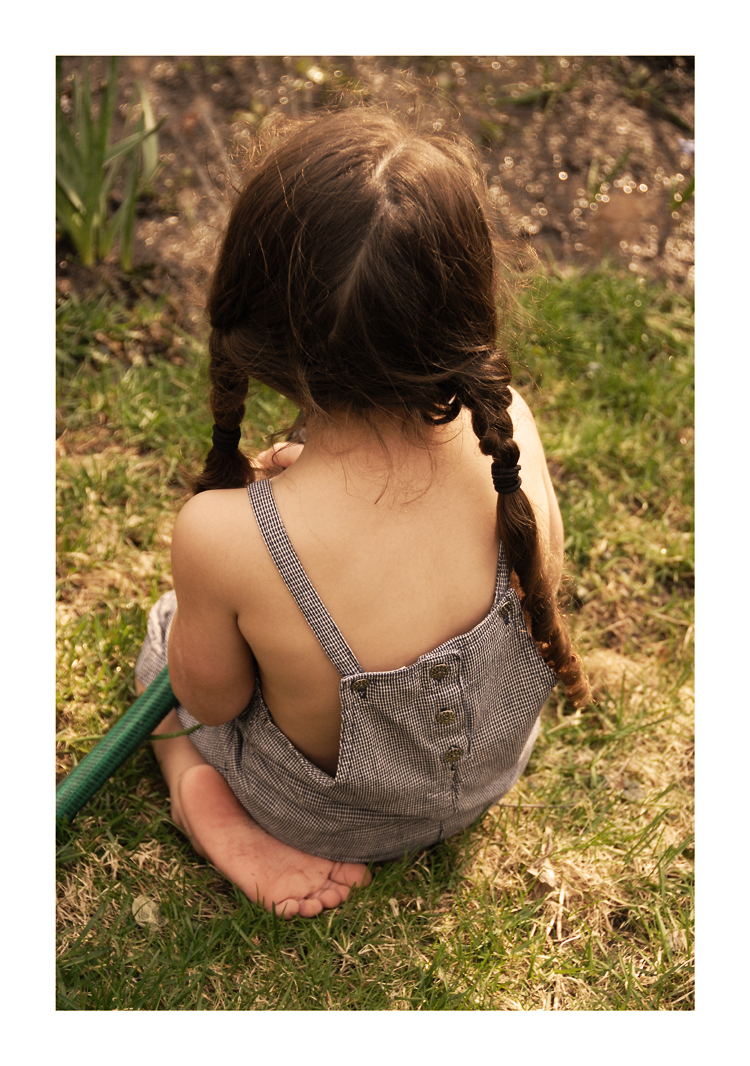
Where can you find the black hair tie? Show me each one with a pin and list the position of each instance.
(505, 478)
(226, 440)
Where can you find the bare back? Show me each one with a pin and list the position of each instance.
(403, 553)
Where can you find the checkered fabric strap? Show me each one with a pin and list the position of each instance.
(296, 580)
(502, 581)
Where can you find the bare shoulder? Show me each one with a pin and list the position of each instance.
(212, 516)
(525, 431)
(211, 508)
(526, 436)
(210, 531)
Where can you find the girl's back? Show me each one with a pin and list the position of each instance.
(399, 541)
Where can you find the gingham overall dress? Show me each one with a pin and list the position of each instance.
(424, 749)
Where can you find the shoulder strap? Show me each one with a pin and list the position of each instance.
(296, 580)
(502, 581)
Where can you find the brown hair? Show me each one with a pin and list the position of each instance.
(359, 271)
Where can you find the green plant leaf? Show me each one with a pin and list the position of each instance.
(126, 215)
(150, 146)
(107, 107)
(128, 144)
(81, 118)
(67, 186)
(72, 224)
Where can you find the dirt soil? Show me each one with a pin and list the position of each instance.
(584, 155)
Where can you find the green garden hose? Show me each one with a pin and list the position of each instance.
(111, 752)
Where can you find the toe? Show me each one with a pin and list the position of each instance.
(310, 908)
(332, 896)
(353, 874)
(285, 908)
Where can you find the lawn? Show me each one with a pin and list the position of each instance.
(576, 892)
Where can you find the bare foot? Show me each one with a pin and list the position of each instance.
(267, 871)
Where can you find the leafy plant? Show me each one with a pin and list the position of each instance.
(87, 166)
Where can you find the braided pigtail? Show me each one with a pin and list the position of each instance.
(226, 466)
(489, 402)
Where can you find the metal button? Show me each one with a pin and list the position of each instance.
(360, 685)
(452, 755)
(504, 611)
(437, 673)
(445, 717)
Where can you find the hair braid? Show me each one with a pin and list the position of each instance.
(489, 399)
(229, 385)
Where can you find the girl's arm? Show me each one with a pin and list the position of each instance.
(537, 485)
(211, 667)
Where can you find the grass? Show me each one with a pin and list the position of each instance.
(576, 892)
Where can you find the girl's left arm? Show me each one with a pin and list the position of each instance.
(538, 487)
(211, 667)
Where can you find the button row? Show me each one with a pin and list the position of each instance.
(437, 673)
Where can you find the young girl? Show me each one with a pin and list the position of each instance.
(367, 638)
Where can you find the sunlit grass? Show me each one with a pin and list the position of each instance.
(576, 892)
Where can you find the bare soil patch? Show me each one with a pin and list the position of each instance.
(549, 130)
